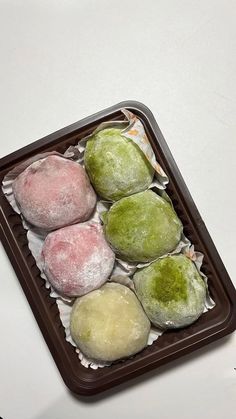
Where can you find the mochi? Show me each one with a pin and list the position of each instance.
(77, 259)
(171, 291)
(116, 165)
(109, 324)
(142, 227)
(54, 192)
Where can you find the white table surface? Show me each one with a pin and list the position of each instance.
(64, 60)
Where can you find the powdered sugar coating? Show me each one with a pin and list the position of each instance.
(77, 259)
(109, 324)
(54, 192)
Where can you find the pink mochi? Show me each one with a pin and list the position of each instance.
(54, 192)
(77, 259)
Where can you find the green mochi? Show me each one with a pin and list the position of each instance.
(116, 166)
(142, 227)
(171, 291)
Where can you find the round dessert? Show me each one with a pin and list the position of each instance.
(142, 227)
(77, 259)
(109, 323)
(54, 192)
(171, 291)
(116, 165)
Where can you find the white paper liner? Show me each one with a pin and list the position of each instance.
(133, 129)
(197, 258)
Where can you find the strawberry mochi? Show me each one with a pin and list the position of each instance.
(77, 259)
(54, 192)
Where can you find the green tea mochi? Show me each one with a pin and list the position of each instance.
(116, 165)
(171, 291)
(142, 227)
(109, 323)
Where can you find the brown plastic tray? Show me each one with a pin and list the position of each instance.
(172, 344)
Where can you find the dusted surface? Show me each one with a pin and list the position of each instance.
(171, 291)
(142, 227)
(54, 192)
(116, 166)
(188, 52)
(77, 258)
(109, 323)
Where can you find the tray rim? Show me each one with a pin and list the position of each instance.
(227, 326)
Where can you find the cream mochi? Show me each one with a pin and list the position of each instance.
(109, 324)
